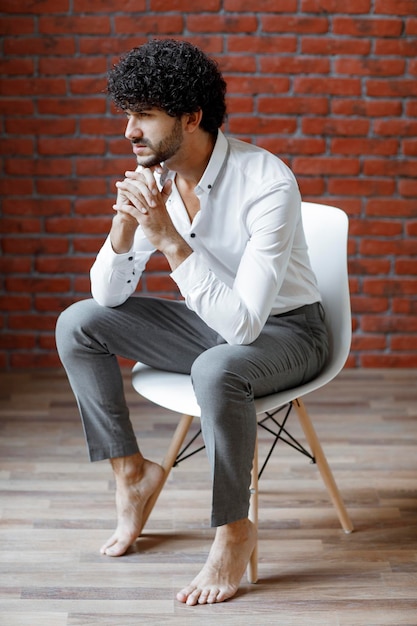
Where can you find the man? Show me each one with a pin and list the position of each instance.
(226, 215)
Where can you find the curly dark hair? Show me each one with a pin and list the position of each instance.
(171, 75)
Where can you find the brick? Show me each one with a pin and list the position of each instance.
(411, 228)
(401, 47)
(35, 245)
(15, 303)
(367, 108)
(409, 147)
(370, 67)
(82, 25)
(54, 303)
(262, 125)
(35, 7)
(404, 343)
(8, 187)
(79, 86)
(156, 24)
(335, 6)
(391, 88)
(377, 247)
(294, 24)
(292, 145)
(34, 46)
(329, 86)
(46, 126)
(70, 146)
(388, 167)
(390, 287)
(325, 165)
(361, 187)
(406, 266)
(368, 304)
(396, 128)
(311, 186)
(411, 26)
(20, 225)
(16, 106)
(90, 245)
(334, 45)
(12, 146)
(294, 65)
(407, 306)
(408, 188)
(240, 104)
(329, 126)
(367, 27)
(65, 65)
(361, 146)
(296, 105)
(40, 86)
(396, 7)
(17, 341)
(17, 66)
(16, 25)
(391, 207)
(36, 206)
(103, 126)
(209, 23)
(38, 167)
(184, 5)
(71, 186)
(257, 84)
(262, 45)
(386, 228)
(238, 63)
(273, 6)
(72, 106)
(388, 323)
(365, 343)
(102, 167)
(59, 265)
(369, 267)
(108, 6)
(88, 226)
(35, 285)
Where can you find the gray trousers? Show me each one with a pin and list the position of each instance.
(165, 334)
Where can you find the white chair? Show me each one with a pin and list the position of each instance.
(326, 230)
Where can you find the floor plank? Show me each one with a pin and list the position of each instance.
(56, 509)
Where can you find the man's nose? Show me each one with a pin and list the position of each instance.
(133, 130)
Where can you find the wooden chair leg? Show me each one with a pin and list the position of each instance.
(252, 569)
(322, 465)
(169, 460)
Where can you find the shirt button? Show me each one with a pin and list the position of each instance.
(192, 235)
(130, 258)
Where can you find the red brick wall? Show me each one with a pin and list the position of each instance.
(329, 85)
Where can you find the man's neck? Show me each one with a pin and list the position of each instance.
(195, 158)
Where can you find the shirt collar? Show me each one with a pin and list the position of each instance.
(218, 157)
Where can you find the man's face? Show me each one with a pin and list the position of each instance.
(155, 136)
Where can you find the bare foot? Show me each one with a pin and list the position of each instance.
(228, 558)
(136, 480)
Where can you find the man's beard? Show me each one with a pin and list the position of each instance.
(165, 149)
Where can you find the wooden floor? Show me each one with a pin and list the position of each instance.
(56, 508)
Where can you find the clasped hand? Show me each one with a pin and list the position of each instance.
(139, 201)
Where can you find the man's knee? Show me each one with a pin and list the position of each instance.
(71, 320)
(216, 372)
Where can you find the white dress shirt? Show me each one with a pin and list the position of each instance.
(249, 256)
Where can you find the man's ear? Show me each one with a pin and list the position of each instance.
(192, 120)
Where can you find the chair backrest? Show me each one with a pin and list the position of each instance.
(326, 231)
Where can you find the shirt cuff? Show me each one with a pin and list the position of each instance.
(191, 272)
(112, 258)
